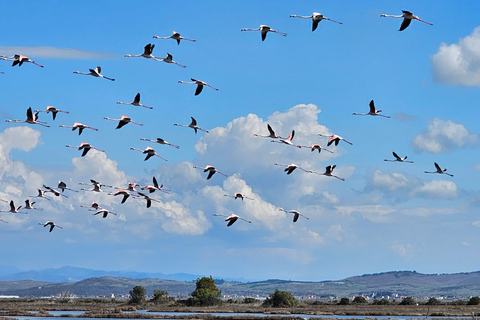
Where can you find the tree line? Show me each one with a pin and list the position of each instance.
(206, 293)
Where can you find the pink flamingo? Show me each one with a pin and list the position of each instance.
(31, 119)
(123, 121)
(192, 125)
(13, 209)
(175, 36)
(398, 159)
(94, 72)
(264, 30)
(231, 218)
(161, 141)
(19, 59)
(372, 112)
(407, 18)
(79, 126)
(147, 53)
(296, 214)
(85, 146)
(136, 102)
(53, 110)
(439, 170)
(237, 195)
(316, 18)
(149, 152)
(211, 171)
(334, 139)
(51, 224)
(155, 187)
(290, 167)
(199, 84)
(271, 135)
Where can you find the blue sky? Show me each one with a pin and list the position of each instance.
(385, 216)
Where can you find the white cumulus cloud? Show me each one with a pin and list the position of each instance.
(443, 136)
(458, 63)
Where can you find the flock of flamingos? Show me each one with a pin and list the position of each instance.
(145, 191)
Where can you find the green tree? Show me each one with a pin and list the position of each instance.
(382, 301)
(137, 295)
(206, 292)
(474, 301)
(408, 301)
(159, 296)
(280, 299)
(359, 299)
(432, 302)
(344, 301)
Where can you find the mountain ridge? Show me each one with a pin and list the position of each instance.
(387, 284)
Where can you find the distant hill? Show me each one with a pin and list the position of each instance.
(401, 283)
(73, 274)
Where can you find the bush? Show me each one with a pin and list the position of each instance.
(359, 299)
(280, 299)
(474, 301)
(159, 296)
(408, 301)
(381, 302)
(432, 302)
(206, 293)
(344, 301)
(249, 300)
(137, 295)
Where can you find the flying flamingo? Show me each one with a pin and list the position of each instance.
(95, 206)
(211, 171)
(397, 158)
(407, 18)
(314, 147)
(199, 84)
(31, 119)
(136, 102)
(175, 36)
(296, 214)
(192, 125)
(147, 53)
(63, 186)
(169, 59)
(149, 200)
(316, 18)
(53, 110)
(328, 172)
(161, 141)
(94, 72)
(104, 212)
(40, 194)
(155, 187)
(51, 224)
(85, 146)
(237, 195)
(149, 152)
(272, 134)
(13, 209)
(288, 141)
(372, 112)
(439, 170)
(78, 125)
(264, 29)
(96, 185)
(123, 193)
(29, 205)
(55, 192)
(231, 218)
(334, 139)
(291, 167)
(123, 121)
(20, 59)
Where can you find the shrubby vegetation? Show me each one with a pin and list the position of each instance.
(206, 293)
(474, 301)
(280, 299)
(137, 295)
